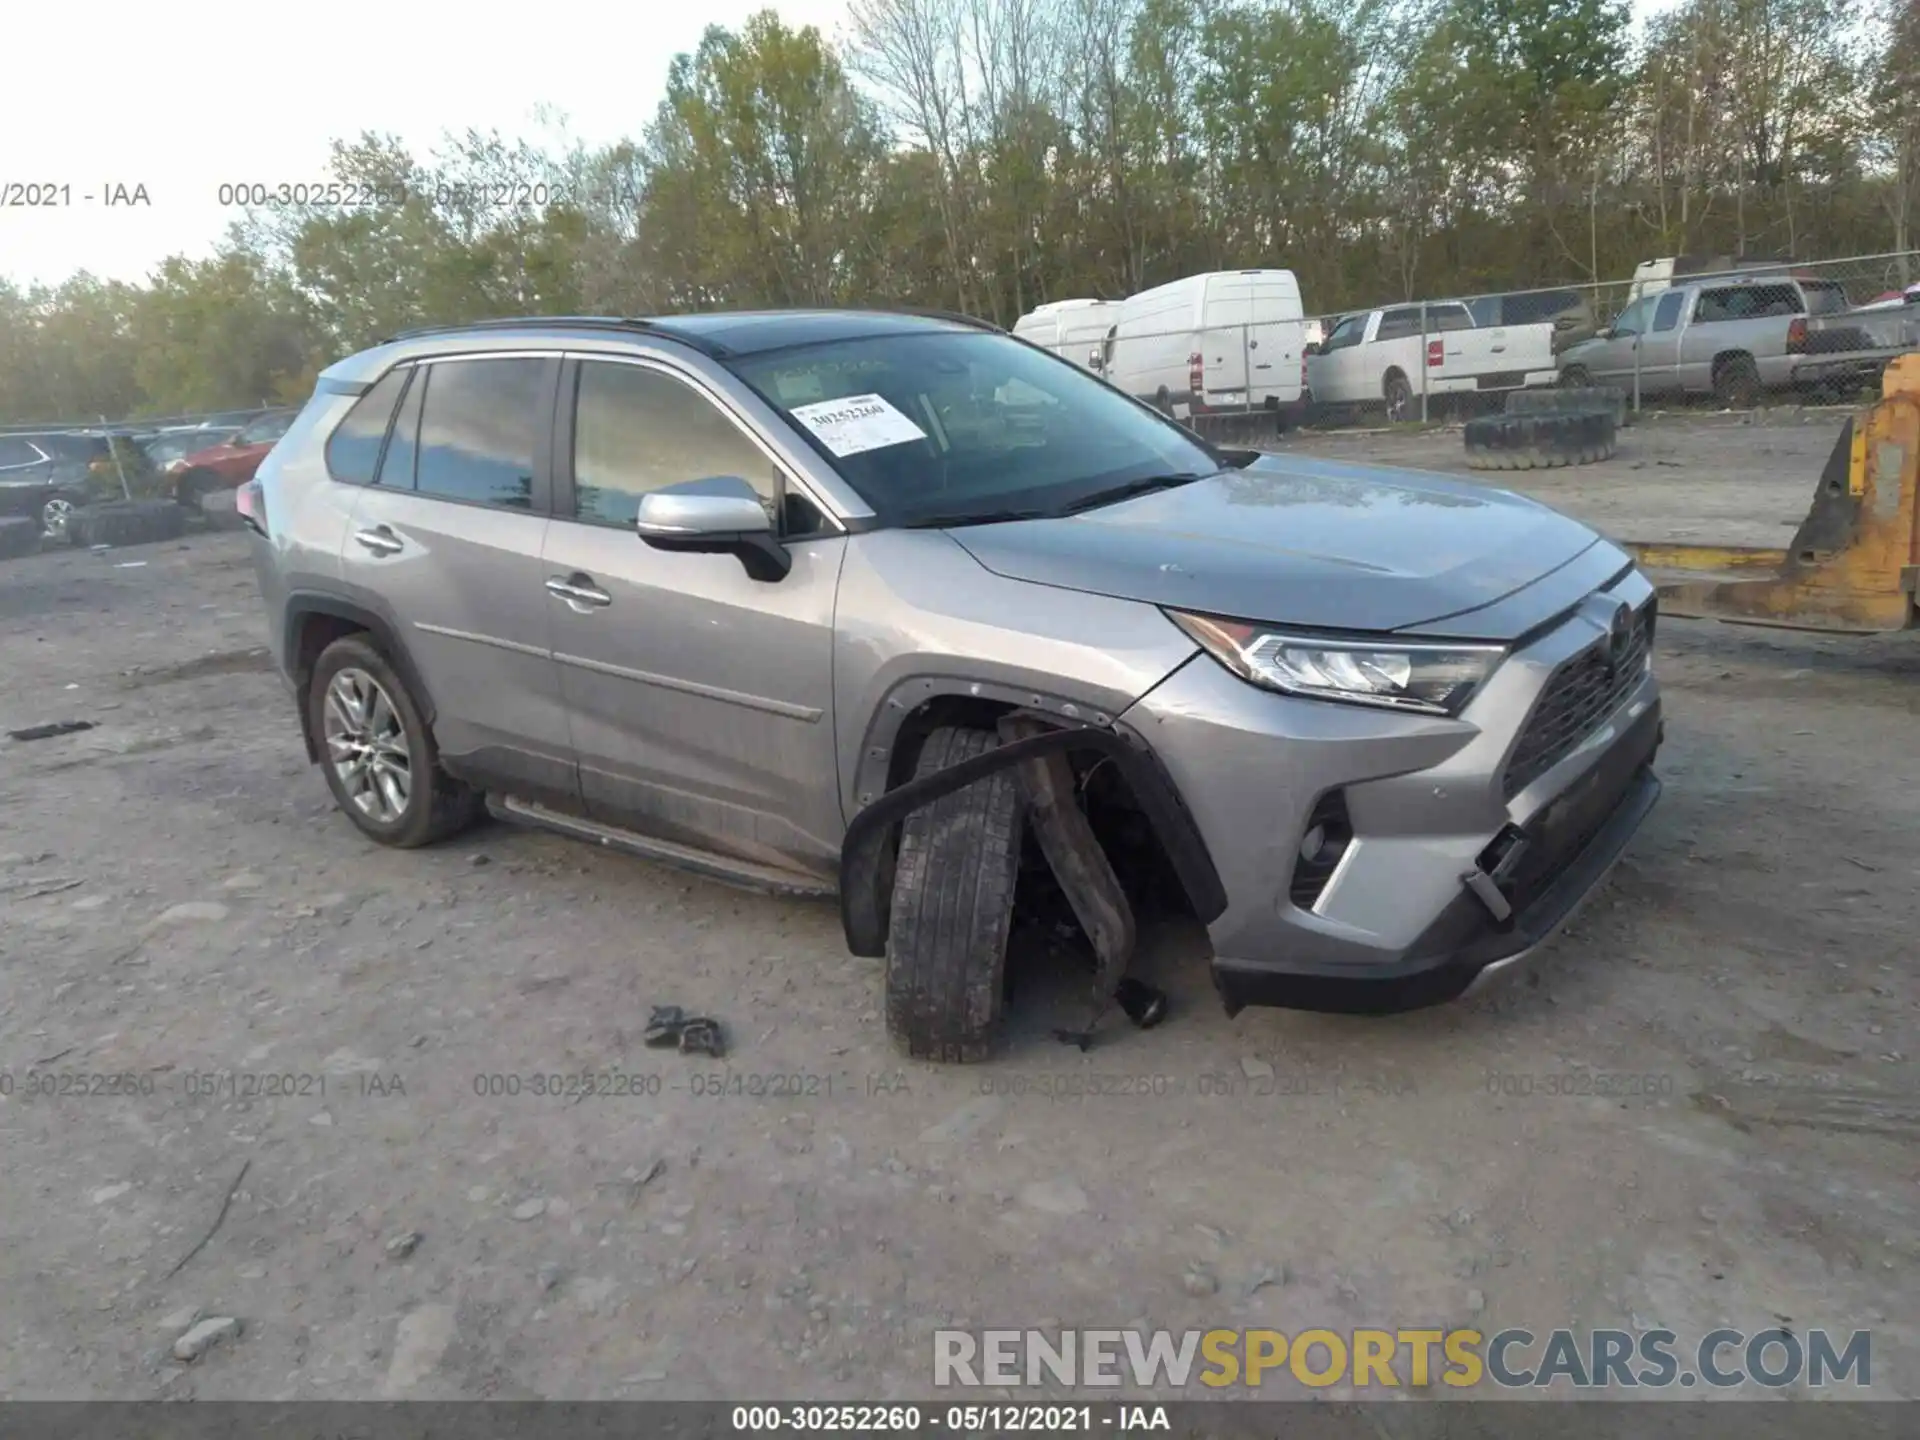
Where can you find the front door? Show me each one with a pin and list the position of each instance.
(700, 698)
(446, 543)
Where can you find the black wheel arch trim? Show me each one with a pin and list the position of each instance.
(863, 878)
(303, 606)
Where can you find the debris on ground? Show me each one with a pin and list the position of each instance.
(669, 1027)
(404, 1244)
(204, 1335)
(47, 732)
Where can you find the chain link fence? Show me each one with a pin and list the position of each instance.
(1704, 333)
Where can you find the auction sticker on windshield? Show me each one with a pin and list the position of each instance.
(857, 423)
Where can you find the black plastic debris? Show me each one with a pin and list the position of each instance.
(47, 732)
(1144, 1005)
(671, 1028)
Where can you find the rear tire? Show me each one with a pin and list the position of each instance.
(952, 908)
(378, 753)
(1736, 382)
(1398, 394)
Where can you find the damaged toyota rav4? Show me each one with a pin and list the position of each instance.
(900, 608)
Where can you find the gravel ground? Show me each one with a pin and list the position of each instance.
(310, 1037)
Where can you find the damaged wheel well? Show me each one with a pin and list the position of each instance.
(1136, 815)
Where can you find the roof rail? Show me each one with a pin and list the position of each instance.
(623, 323)
(929, 313)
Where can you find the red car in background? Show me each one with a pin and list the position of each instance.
(231, 463)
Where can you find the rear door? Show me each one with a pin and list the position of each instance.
(446, 542)
(700, 698)
(1275, 336)
(1225, 334)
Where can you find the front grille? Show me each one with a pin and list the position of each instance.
(1577, 699)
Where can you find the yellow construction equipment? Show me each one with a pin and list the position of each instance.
(1853, 562)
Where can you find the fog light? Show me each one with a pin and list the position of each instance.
(1311, 842)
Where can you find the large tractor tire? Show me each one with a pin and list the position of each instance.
(1569, 397)
(126, 522)
(1539, 442)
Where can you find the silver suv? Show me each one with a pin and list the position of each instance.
(856, 601)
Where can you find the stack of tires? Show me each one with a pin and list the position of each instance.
(1547, 430)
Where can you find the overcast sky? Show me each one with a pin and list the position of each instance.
(183, 97)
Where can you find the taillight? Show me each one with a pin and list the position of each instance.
(250, 503)
(1436, 354)
(1196, 373)
(1797, 335)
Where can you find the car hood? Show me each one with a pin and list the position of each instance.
(1305, 542)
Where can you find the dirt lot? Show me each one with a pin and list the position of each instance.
(183, 907)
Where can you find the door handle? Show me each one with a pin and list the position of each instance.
(380, 540)
(579, 591)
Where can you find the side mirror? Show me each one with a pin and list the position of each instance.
(1605, 332)
(720, 515)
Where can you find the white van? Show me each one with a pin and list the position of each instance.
(1074, 330)
(1226, 341)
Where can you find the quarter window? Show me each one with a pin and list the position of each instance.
(353, 450)
(479, 424)
(636, 430)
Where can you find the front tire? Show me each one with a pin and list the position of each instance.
(952, 908)
(377, 752)
(1576, 377)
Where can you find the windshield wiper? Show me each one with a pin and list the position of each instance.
(975, 517)
(1127, 491)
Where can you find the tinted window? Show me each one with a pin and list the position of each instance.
(1666, 314)
(354, 448)
(635, 430)
(478, 429)
(1824, 297)
(1397, 324)
(948, 426)
(18, 452)
(1747, 302)
(1346, 333)
(396, 467)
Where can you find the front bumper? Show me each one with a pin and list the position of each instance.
(1396, 925)
(1465, 947)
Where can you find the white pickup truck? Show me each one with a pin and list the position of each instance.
(1380, 356)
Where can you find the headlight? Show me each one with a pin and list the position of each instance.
(179, 464)
(1432, 677)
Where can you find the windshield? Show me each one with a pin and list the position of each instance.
(942, 427)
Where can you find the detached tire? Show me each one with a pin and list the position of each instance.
(1548, 441)
(126, 522)
(1571, 397)
(18, 537)
(952, 908)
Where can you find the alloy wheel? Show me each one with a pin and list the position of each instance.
(54, 516)
(367, 746)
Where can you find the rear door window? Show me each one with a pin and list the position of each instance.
(1398, 324)
(1666, 314)
(479, 425)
